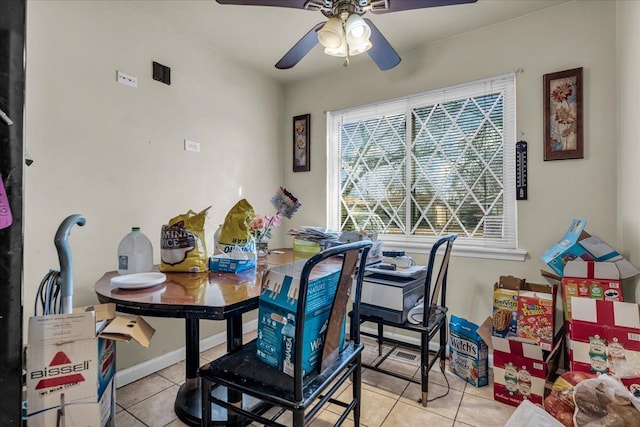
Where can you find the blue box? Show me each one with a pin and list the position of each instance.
(277, 315)
(567, 249)
(578, 244)
(231, 265)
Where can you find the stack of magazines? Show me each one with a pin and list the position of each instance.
(314, 234)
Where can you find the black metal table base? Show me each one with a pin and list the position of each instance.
(189, 411)
(188, 406)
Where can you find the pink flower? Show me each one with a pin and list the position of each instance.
(259, 222)
(261, 225)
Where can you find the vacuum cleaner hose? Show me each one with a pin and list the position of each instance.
(64, 256)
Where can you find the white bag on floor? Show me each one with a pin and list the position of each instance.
(529, 414)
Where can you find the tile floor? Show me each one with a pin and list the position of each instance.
(386, 401)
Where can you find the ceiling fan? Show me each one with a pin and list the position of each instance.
(346, 33)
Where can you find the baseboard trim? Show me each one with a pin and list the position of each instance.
(141, 370)
(413, 340)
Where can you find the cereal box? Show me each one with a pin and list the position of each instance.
(505, 306)
(536, 314)
(468, 353)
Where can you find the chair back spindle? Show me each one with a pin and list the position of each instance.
(353, 261)
(440, 284)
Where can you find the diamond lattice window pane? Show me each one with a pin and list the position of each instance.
(434, 169)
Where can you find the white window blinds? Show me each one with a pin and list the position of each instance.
(419, 167)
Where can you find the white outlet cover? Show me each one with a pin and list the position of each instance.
(126, 79)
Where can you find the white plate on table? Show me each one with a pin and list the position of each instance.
(138, 280)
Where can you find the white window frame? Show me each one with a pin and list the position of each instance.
(507, 248)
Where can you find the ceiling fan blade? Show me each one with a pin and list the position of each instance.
(398, 5)
(297, 4)
(382, 53)
(300, 49)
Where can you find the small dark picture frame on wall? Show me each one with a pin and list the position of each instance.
(301, 143)
(563, 137)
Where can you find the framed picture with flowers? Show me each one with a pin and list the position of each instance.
(301, 143)
(563, 115)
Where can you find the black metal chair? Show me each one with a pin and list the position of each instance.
(427, 322)
(241, 372)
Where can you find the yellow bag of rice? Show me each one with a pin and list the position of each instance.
(182, 244)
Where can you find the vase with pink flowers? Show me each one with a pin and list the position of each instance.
(260, 226)
(260, 229)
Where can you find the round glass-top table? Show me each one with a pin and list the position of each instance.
(210, 295)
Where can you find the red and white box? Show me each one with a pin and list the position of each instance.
(589, 279)
(521, 369)
(604, 334)
(71, 365)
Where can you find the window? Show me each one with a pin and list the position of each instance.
(416, 168)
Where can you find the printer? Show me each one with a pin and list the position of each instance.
(390, 294)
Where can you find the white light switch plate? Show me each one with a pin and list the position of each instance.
(191, 146)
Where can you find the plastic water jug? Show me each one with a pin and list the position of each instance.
(135, 253)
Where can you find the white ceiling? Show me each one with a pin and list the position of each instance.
(259, 36)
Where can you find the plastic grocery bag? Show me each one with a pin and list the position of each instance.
(235, 233)
(604, 401)
(531, 415)
(182, 243)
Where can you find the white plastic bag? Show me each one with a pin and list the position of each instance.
(604, 401)
(531, 415)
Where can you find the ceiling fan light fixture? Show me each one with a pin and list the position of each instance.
(340, 51)
(331, 34)
(358, 49)
(354, 50)
(358, 32)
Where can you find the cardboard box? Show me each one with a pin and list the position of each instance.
(568, 248)
(556, 280)
(505, 306)
(525, 310)
(578, 244)
(277, 314)
(520, 369)
(71, 365)
(603, 333)
(596, 280)
(224, 262)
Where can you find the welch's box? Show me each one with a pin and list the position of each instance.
(71, 364)
(277, 314)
